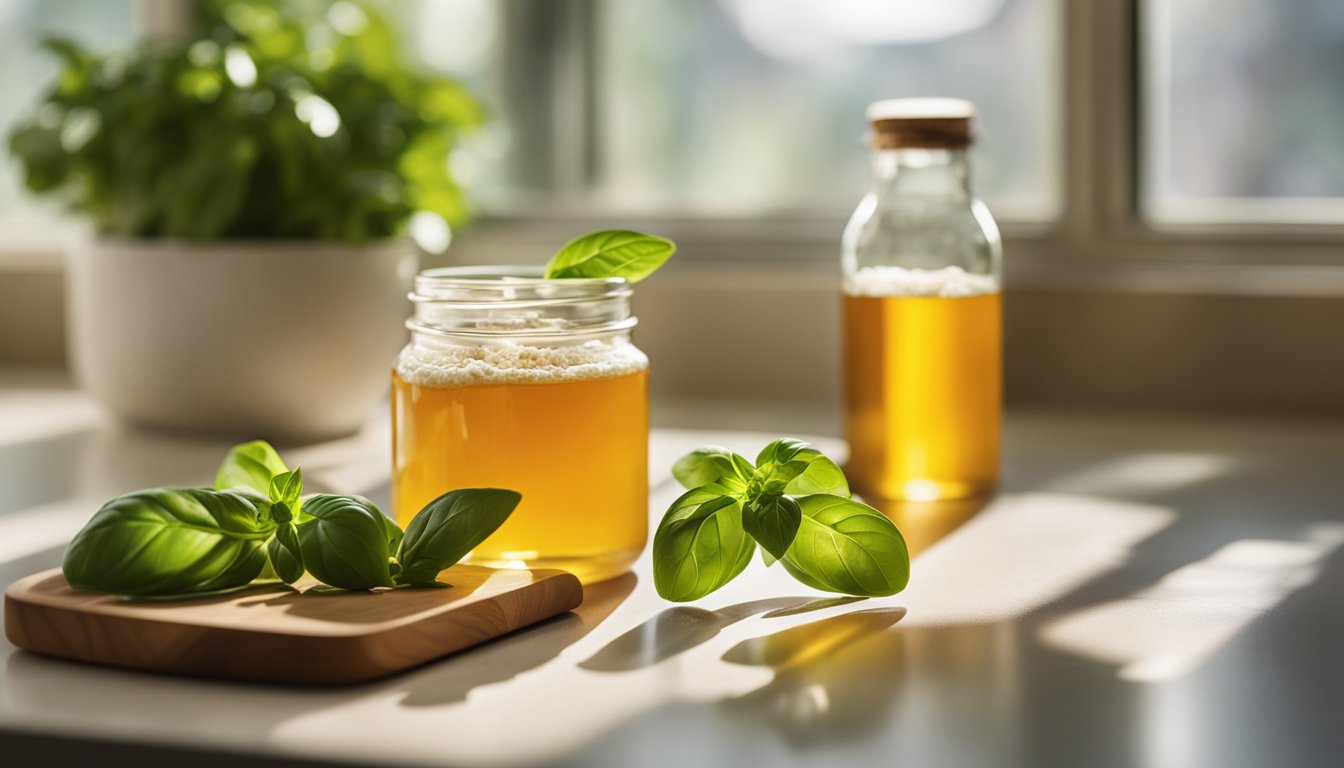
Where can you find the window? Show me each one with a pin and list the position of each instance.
(737, 108)
(1242, 110)
(103, 25)
(745, 106)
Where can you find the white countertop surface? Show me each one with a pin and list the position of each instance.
(1145, 591)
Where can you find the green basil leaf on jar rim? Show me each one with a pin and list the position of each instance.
(611, 253)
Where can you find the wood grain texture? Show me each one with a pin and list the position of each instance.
(274, 634)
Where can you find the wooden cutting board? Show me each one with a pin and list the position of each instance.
(274, 634)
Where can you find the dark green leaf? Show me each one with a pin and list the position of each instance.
(171, 541)
(700, 544)
(343, 542)
(393, 532)
(712, 463)
(250, 465)
(285, 554)
(611, 253)
(448, 528)
(845, 546)
(772, 520)
(287, 567)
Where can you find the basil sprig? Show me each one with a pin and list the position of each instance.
(795, 503)
(256, 525)
(611, 253)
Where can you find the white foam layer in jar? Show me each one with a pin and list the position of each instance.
(948, 282)
(467, 365)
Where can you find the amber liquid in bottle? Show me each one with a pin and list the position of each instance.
(923, 405)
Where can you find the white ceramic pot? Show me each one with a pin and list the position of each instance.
(286, 340)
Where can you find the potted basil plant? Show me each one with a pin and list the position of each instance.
(251, 188)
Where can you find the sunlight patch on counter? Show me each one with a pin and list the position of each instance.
(1022, 552)
(1146, 473)
(1169, 629)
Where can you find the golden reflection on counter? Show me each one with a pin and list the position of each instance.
(923, 523)
(801, 645)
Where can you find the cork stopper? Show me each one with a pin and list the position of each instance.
(928, 123)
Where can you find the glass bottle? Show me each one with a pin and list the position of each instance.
(513, 381)
(922, 263)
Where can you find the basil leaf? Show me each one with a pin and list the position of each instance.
(250, 465)
(700, 544)
(283, 551)
(448, 528)
(343, 542)
(794, 467)
(171, 541)
(611, 253)
(772, 520)
(845, 546)
(287, 488)
(712, 463)
(781, 451)
(821, 476)
(393, 533)
(287, 566)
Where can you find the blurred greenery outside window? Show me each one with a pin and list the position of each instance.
(752, 110)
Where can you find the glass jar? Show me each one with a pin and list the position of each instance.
(922, 263)
(514, 381)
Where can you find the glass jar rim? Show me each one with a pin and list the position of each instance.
(515, 303)
(510, 280)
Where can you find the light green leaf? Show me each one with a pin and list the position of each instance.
(794, 467)
(250, 465)
(821, 476)
(611, 253)
(700, 544)
(448, 528)
(710, 464)
(845, 546)
(287, 488)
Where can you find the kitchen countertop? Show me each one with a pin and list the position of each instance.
(1149, 591)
